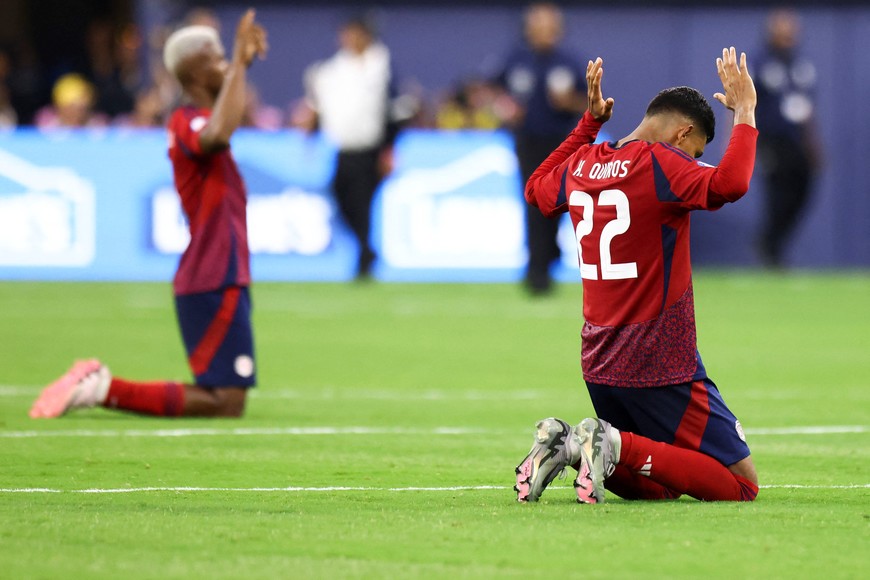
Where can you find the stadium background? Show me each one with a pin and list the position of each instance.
(382, 440)
(435, 46)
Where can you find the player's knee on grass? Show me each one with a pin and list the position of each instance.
(746, 476)
(745, 468)
(215, 402)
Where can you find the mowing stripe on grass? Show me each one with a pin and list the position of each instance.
(208, 432)
(345, 394)
(334, 394)
(294, 431)
(343, 488)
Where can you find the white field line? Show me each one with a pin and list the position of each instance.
(811, 430)
(344, 488)
(350, 430)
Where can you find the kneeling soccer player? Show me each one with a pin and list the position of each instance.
(664, 429)
(211, 284)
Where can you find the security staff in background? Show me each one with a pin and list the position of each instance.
(549, 87)
(789, 149)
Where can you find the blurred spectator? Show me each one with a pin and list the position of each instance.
(789, 149)
(349, 97)
(202, 16)
(301, 115)
(73, 99)
(550, 90)
(149, 110)
(128, 58)
(476, 104)
(27, 89)
(112, 95)
(163, 82)
(259, 115)
(8, 116)
(409, 107)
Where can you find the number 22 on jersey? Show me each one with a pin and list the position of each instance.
(615, 227)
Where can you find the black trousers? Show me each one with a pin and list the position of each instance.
(356, 178)
(788, 174)
(541, 232)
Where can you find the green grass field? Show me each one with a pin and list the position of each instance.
(382, 439)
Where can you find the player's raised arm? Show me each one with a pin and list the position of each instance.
(732, 176)
(598, 106)
(739, 95)
(229, 107)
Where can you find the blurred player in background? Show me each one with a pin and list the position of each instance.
(788, 144)
(211, 284)
(548, 87)
(664, 429)
(348, 96)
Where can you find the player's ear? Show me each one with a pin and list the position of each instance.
(684, 132)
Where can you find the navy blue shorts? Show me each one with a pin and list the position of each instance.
(690, 415)
(216, 329)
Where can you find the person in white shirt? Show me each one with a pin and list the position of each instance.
(350, 96)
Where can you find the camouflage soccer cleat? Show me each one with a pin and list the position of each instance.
(554, 449)
(86, 384)
(600, 446)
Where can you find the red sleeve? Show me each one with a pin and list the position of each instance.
(695, 185)
(543, 186)
(186, 125)
(731, 180)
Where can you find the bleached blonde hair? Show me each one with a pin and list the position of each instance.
(186, 42)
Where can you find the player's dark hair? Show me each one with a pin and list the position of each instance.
(685, 101)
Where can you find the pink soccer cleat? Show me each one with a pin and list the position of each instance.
(600, 447)
(85, 385)
(555, 447)
(584, 486)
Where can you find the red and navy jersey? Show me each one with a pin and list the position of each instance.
(630, 207)
(214, 200)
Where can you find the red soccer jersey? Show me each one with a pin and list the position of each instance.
(630, 209)
(214, 200)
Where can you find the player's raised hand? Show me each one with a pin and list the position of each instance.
(250, 39)
(739, 95)
(598, 106)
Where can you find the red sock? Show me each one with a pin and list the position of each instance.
(628, 484)
(684, 470)
(162, 398)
